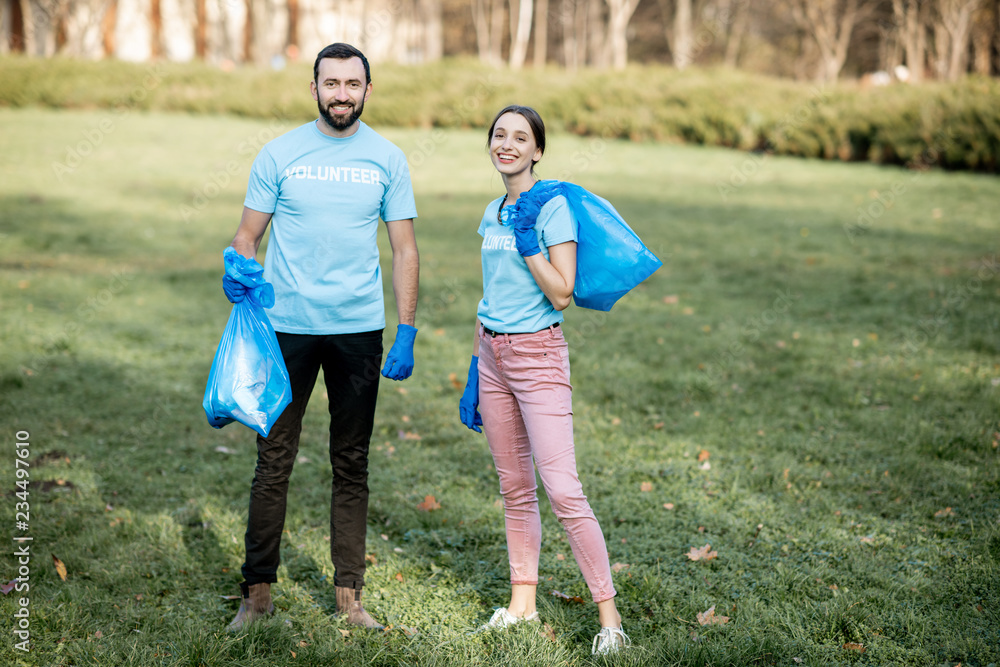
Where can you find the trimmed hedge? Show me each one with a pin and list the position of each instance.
(955, 126)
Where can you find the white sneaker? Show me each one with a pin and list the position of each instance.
(610, 640)
(503, 619)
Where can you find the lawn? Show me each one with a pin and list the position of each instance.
(810, 385)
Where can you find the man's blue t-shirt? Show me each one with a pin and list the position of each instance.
(326, 195)
(512, 300)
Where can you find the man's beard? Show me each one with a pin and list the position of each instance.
(341, 122)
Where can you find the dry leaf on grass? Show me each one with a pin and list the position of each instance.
(940, 514)
(548, 633)
(429, 505)
(703, 455)
(399, 577)
(646, 486)
(569, 598)
(60, 567)
(854, 647)
(453, 378)
(618, 567)
(704, 553)
(8, 587)
(409, 435)
(708, 617)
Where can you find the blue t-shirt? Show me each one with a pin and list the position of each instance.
(326, 195)
(512, 300)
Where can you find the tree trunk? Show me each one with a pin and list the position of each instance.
(594, 47)
(738, 17)
(541, 32)
(619, 14)
(830, 24)
(682, 34)
(983, 33)
(955, 18)
(521, 12)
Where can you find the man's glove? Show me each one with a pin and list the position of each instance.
(525, 214)
(469, 403)
(245, 276)
(399, 361)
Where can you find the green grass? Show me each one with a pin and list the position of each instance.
(838, 358)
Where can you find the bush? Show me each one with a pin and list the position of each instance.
(955, 126)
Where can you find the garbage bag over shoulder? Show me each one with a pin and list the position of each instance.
(610, 257)
(248, 381)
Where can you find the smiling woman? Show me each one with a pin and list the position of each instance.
(519, 375)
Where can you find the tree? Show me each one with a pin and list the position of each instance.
(541, 32)
(487, 16)
(829, 24)
(619, 14)
(521, 14)
(951, 36)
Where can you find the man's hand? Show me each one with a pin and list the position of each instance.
(468, 406)
(399, 361)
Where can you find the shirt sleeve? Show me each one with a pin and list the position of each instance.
(398, 203)
(262, 188)
(555, 222)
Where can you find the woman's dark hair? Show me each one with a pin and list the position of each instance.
(341, 51)
(534, 122)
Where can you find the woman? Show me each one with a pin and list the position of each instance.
(519, 378)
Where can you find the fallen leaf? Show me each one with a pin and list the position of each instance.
(940, 514)
(668, 506)
(303, 644)
(399, 577)
(453, 378)
(8, 587)
(408, 630)
(568, 598)
(798, 660)
(704, 553)
(384, 537)
(646, 486)
(854, 647)
(60, 567)
(618, 567)
(108, 508)
(231, 597)
(560, 557)
(703, 455)
(671, 299)
(548, 632)
(409, 435)
(293, 653)
(224, 450)
(98, 634)
(345, 633)
(429, 504)
(439, 332)
(708, 617)
(707, 465)
(371, 559)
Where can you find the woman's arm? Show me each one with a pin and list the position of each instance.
(556, 275)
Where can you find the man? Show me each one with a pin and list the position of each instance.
(323, 187)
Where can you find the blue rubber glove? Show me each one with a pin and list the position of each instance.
(399, 361)
(467, 406)
(245, 277)
(235, 290)
(525, 214)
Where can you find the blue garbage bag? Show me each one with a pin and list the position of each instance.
(610, 258)
(248, 381)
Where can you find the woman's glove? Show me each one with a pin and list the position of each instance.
(468, 406)
(525, 214)
(399, 361)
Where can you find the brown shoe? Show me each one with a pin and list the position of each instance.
(349, 603)
(256, 603)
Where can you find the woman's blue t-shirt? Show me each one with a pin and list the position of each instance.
(512, 300)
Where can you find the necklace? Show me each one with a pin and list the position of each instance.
(502, 202)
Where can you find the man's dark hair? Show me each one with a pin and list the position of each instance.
(341, 51)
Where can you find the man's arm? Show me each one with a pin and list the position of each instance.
(249, 234)
(405, 268)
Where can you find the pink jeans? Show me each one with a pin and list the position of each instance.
(527, 407)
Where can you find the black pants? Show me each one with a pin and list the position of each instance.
(350, 365)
